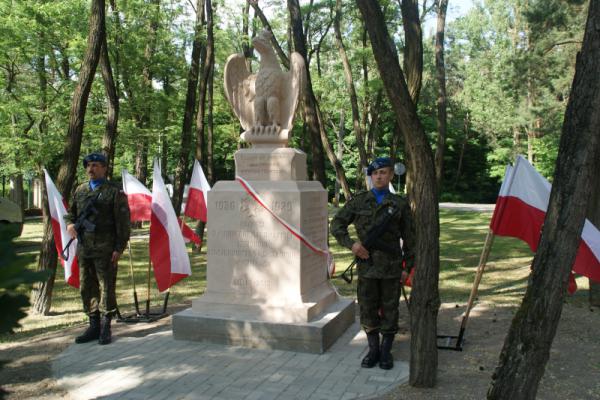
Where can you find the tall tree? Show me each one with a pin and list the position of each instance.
(440, 76)
(358, 128)
(413, 49)
(109, 139)
(42, 293)
(181, 172)
(527, 346)
(313, 117)
(308, 96)
(143, 107)
(425, 300)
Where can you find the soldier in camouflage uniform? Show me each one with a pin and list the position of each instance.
(101, 241)
(381, 267)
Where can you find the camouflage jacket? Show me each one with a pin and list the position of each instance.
(386, 254)
(109, 229)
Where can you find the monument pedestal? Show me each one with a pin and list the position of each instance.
(265, 288)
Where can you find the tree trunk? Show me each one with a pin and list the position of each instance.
(190, 107)
(527, 346)
(42, 292)
(440, 69)
(282, 57)
(247, 48)
(340, 155)
(112, 108)
(210, 168)
(425, 300)
(372, 132)
(16, 189)
(142, 115)
(593, 215)
(413, 47)
(463, 147)
(310, 103)
(41, 295)
(358, 131)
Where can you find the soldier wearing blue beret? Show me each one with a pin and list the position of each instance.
(100, 209)
(382, 266)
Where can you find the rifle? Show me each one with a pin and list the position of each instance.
(83, 224)
(374, 233)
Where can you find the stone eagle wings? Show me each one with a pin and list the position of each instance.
(264, 102)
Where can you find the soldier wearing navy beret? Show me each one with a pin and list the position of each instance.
(383, 265)
(101, 242)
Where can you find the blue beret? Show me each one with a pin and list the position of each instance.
(94, 157)
(378, 163)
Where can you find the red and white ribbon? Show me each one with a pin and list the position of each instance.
(294, 231)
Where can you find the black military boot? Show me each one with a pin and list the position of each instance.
(105, 334)
(386, 361)
(373, 355)
(92, 332)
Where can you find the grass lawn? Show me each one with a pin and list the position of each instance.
(461, 241)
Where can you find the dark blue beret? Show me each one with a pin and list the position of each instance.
(378, 163)
(94, 157)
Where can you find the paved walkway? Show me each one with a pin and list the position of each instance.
(156, 366)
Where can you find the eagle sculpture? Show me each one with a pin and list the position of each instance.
(264, 102)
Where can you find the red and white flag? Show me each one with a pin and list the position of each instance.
(58, 210)
(168, 253)
(521, 209)
(138, 197)
(195, 207)
(188, 233)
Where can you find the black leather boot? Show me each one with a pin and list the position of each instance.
(105, 334)
(386, 361)
(92, 332)
(373, 355)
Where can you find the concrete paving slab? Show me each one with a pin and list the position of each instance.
(157, 366)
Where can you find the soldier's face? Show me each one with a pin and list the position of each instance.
(382, 177)
(95, 170)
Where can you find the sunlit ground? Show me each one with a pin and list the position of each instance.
(461, 242)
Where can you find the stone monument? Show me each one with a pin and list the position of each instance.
(266, 287)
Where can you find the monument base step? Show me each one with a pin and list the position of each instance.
(309, 337)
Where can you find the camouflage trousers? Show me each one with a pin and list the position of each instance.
(378, 301)
(98, 278)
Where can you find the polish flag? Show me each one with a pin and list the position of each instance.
(167, 247)
(195, 206)
(138, 197)
(188, 233)
(521, 209)
(58, 210)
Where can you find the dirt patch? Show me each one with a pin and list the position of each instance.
(572, 372)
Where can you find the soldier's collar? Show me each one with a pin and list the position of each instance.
(96, 182)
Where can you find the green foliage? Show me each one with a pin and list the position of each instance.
(509, 67)
(13, 274)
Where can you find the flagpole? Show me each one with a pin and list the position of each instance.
(148, 290)
(135, 298)
(485, 253)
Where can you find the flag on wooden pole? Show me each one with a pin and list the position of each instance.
(195, 207)
(58, 210)
(521, 210)
(138, 197)
(168, 253)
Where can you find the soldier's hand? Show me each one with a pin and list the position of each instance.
(359, 251)
(72, 231)
(115, 257)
